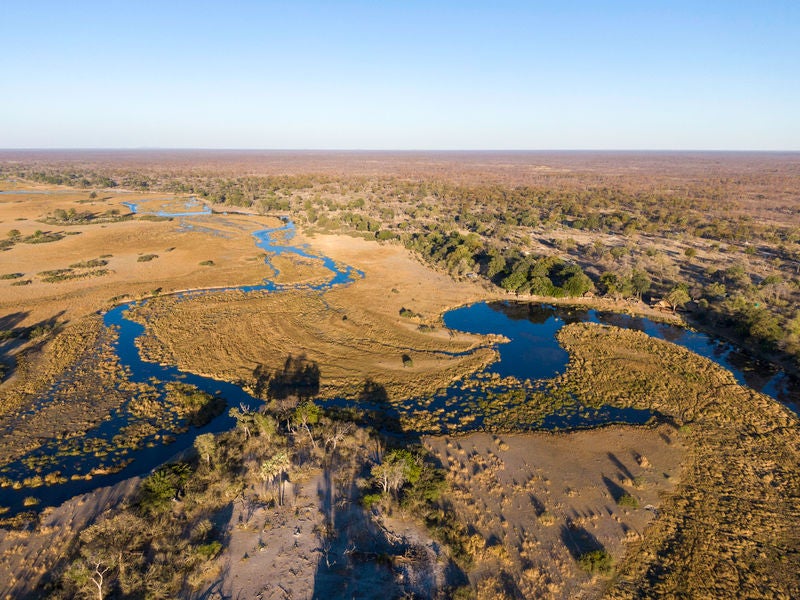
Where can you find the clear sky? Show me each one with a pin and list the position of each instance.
(404, 74)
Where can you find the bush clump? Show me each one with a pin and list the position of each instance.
(596, 562)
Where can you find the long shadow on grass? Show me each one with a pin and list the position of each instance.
(578, 540)
(12, 337)
(374, 410)
(299, 377)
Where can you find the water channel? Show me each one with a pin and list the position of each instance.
(531, 354)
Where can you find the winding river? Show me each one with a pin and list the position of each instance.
(532, 354)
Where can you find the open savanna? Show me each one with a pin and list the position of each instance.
(729, 527)
(354, 335)
(719, 466)
(702, 504)
(139, 255)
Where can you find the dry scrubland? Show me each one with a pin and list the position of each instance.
(536, 502)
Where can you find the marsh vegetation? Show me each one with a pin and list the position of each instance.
(330, 476)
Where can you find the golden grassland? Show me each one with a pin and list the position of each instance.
(353, 334)
(729, 528)
(179, 246)
(722, 467)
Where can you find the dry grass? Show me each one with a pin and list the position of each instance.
(353, 334)
(180, 245)
(532, 501)
(729, 529)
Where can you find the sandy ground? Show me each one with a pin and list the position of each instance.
(536, 501)
(323, 544)
(263, 542)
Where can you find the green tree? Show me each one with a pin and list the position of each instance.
(514, 281)
(714, 290)
(677, 297)
(497, 264)
(305, 415)
(397, 468)
(577, 285)
(273, 470)
(206, 446)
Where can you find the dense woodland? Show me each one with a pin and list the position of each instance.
(726, 250)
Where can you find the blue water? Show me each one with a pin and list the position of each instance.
(532, 353)
(158, 376)
(189, 204)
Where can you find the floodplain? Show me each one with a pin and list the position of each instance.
(336, 467)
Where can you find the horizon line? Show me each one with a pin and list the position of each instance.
(399, 150)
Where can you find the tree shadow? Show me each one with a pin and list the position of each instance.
(538, 505)
(360, 558)
(614, 489)
(299, 377)
(373, 393)
(578, 540)
(9, 322)
(618, 463)
(373, 409)
(12, 337)
(353, 552)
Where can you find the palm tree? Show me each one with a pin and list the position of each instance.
(274, 469)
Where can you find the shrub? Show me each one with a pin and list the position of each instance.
(88, 264)
(146, 257)
(628, 501)
(208, 551)
(162, 486)
(370, 500)
(595, 561)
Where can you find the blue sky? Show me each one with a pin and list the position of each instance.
(401, 75)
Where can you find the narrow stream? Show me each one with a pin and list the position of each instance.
(532, 353)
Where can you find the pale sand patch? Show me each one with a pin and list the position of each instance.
(539, 499)
(274, 553)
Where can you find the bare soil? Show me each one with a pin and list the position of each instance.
(535, 502)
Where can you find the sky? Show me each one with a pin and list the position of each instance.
(404, 74)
